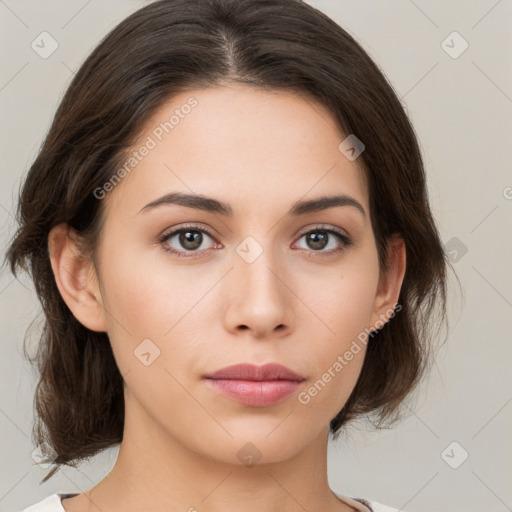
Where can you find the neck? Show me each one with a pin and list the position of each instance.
(155, 471)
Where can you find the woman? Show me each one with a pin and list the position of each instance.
(228, 228)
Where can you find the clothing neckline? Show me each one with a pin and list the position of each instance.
(360, 507)
(62, 496)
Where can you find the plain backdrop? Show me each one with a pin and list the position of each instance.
(454, 451)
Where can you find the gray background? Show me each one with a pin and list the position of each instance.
(461, 109)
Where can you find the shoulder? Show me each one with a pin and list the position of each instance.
(51, 503)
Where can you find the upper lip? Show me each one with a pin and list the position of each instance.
(247, 371)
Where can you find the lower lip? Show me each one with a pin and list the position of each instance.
(255, 393)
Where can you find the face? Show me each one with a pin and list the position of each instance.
(188, 291)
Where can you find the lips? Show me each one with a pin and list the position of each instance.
(270, 371)
(255, 386)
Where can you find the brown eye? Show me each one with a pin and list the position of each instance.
(319, 238)
(188, 239)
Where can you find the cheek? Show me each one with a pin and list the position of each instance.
(141, 292)
(341, 300)
(136, 308)
(146, 299)
(337, 358)
(338, 333)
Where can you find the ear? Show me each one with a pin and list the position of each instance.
(76, 278)
(390, 283)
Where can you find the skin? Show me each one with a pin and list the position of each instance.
(260, 152)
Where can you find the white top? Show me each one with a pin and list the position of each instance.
(53, 504)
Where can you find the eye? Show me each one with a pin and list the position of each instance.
(190, 238)
(320, 237)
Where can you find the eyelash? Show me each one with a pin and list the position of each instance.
(346, 241)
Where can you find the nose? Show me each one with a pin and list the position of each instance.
(260, 298)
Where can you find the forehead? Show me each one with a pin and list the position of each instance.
(244, 145)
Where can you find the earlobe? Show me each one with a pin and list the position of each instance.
(390, 283)
(75, 278)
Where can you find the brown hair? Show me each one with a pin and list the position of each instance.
(171, 46)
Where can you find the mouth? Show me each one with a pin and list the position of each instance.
(255, 386)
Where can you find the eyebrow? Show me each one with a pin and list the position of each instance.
(212, 205)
